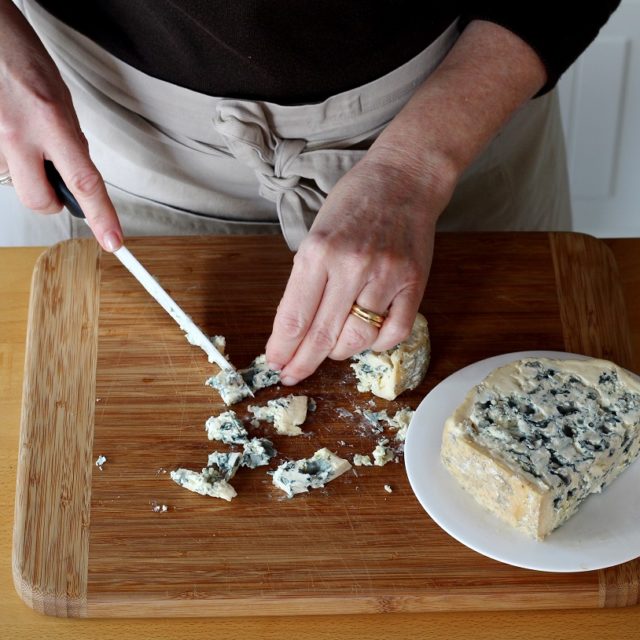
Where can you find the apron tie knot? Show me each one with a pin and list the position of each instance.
(295, 178)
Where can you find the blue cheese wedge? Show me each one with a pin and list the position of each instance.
(387, 374)
(298, 476)
(226, 428)
(286, 414)
(533, 440)
(208, 483)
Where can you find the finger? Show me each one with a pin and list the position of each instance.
(30, 182)
(358, 335)
(324, 331)
(398, 323)
(85, 182)
(295, 312)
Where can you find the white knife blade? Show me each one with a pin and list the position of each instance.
(193, 333)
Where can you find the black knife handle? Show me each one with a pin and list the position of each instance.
(62, 191)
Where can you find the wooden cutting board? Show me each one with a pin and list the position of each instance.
(108, 373)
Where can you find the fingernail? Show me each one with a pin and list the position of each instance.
(273, 366)
(112, 241)
(288, 380)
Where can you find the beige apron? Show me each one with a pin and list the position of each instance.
(178, 162)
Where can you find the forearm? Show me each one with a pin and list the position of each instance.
(486, 76)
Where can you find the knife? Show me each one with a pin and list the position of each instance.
(193, 333)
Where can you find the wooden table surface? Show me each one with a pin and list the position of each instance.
(18, 621)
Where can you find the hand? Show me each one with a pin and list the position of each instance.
(38, 122)
(371, 243)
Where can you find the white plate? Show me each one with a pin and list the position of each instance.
(604, 532)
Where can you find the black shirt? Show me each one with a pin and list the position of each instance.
(300, 51)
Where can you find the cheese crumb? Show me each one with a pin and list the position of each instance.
(361, 461)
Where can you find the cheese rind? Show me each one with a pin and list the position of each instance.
(387, 374)
(534, 439)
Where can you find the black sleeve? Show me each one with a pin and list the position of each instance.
(557, 31)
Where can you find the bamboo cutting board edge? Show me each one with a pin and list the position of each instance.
(619, 586)
(67, 596)
(62, 530)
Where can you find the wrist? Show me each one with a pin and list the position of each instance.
(488, 74)
(427, 175)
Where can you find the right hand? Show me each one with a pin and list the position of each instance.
(38, 123)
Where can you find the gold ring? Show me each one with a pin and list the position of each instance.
(371, 317)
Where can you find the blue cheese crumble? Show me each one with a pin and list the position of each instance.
(286, 414)
(258, 375)
(230, 385)
(383, 453)
(538, 436)
(258, 452)
(234, 386)
(226, 428)
(360, 460)
(399, 422)
(227, 462)
(208, 483)
(298, 476)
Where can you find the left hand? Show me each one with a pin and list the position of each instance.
(372, 240)
(371, 243)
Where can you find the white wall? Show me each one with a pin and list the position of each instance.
(20, 227)
(600, 98)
